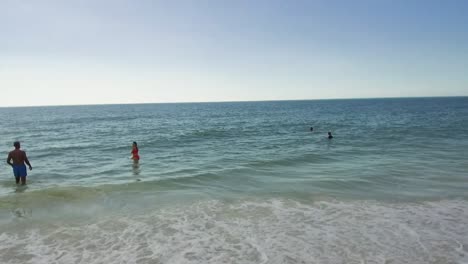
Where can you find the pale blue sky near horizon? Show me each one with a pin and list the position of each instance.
(96, 52)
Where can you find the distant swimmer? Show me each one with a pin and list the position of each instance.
(311, 129)
(135, 156)
(19, 159)
(330, 135)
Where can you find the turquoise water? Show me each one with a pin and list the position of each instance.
(239, 183)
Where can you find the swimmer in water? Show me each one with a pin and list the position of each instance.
(311, 129)
(330, 135)
(135, 156)
(19, 159)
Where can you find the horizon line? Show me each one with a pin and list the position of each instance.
(236, 101)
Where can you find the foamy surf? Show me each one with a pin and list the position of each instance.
(250, 231)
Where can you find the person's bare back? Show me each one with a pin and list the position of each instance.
(18, 157)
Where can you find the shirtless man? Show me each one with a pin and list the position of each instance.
(19, 158)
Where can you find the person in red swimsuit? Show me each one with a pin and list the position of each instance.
(135, 156)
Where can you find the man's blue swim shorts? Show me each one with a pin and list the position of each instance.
(20, 170)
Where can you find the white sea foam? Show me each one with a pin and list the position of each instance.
(254, 231)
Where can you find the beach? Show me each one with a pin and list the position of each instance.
(239, 182)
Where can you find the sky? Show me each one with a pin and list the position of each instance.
(55, 52)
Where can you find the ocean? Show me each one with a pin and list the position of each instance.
(239, 182)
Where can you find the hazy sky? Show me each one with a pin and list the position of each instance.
(116, 51)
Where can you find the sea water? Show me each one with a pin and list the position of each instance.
(240, 182)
